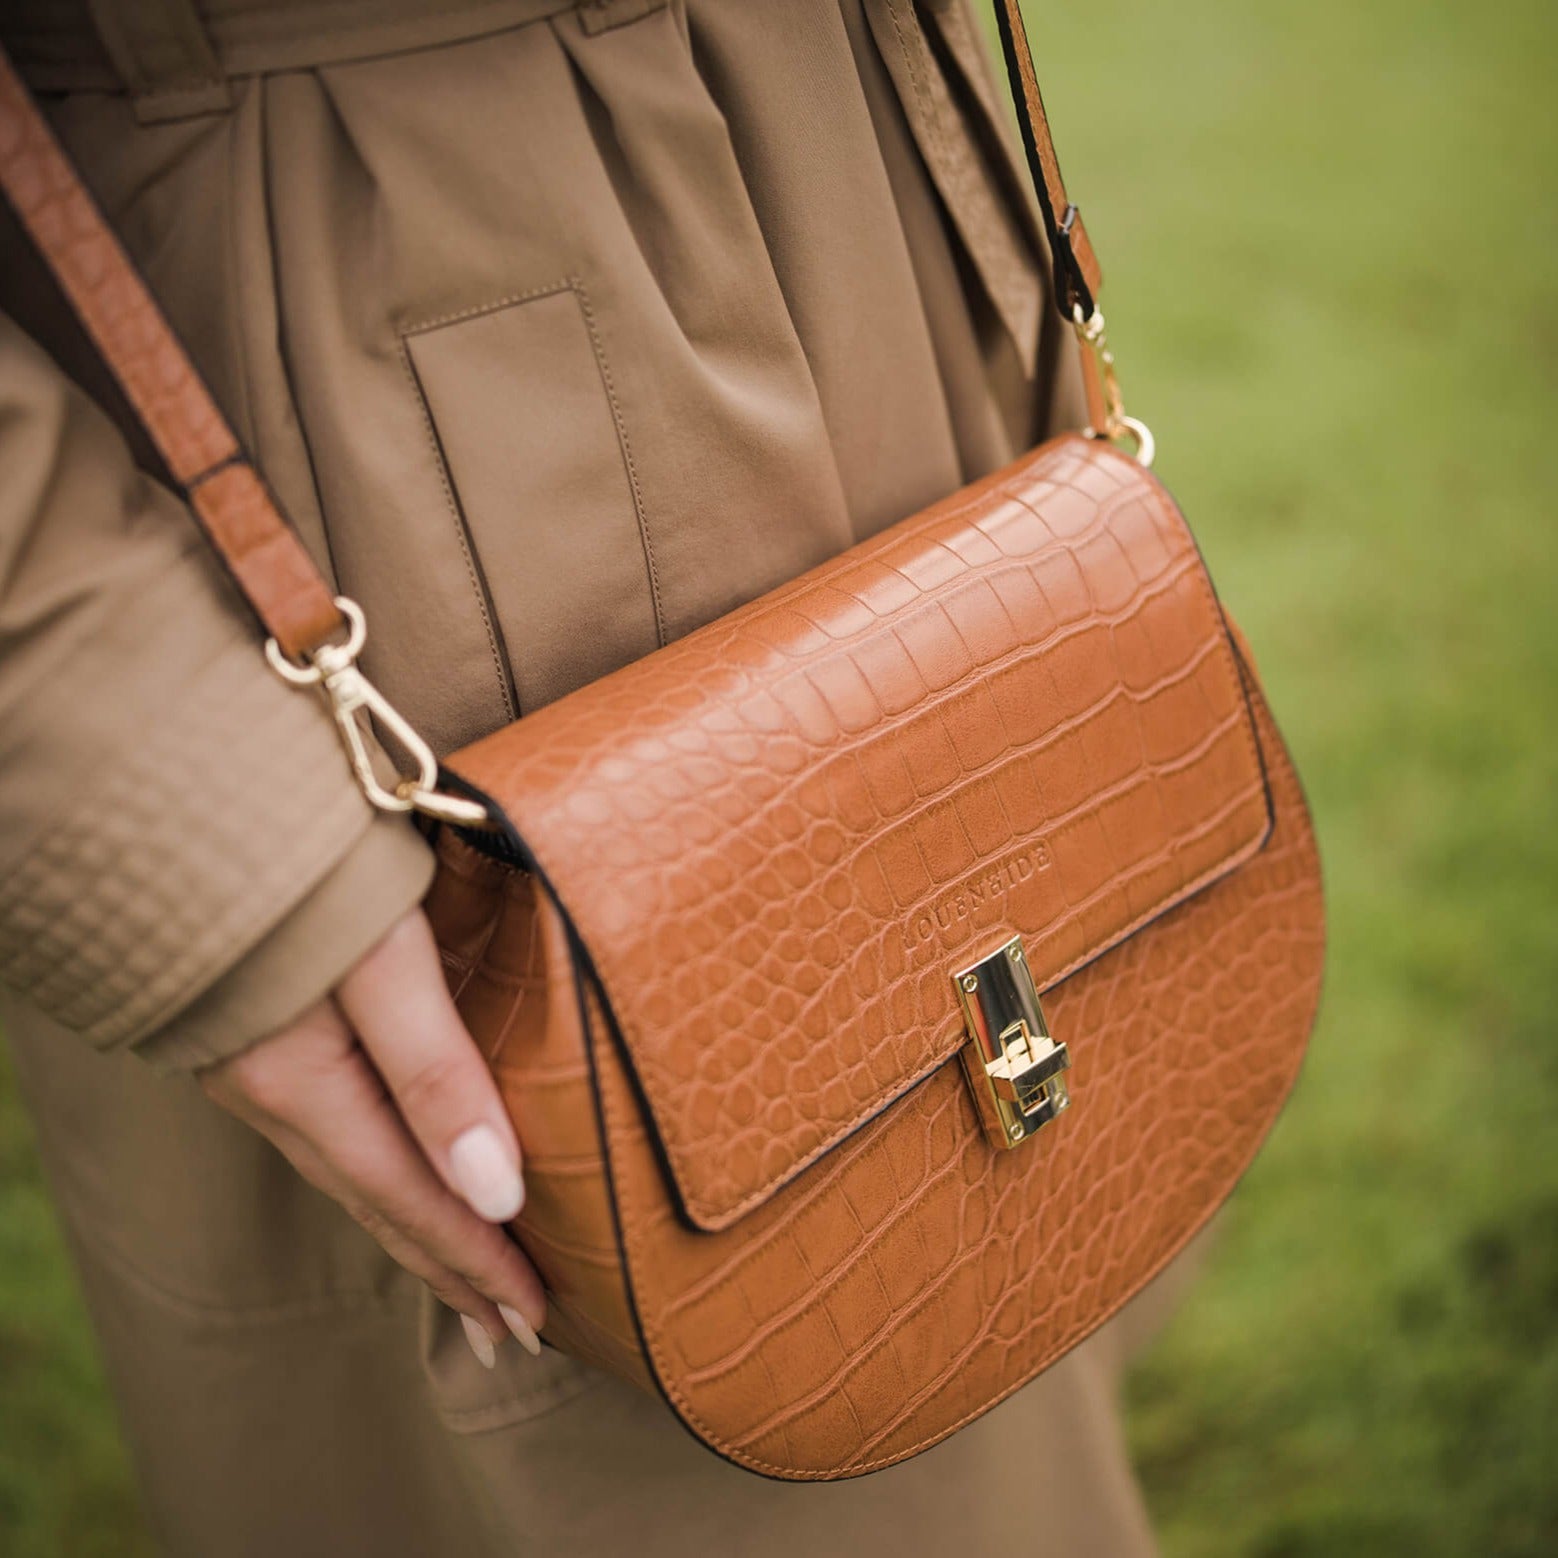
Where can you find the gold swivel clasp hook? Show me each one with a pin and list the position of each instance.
(333, 669)
(1105, 404)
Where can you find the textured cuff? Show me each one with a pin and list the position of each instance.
(384, 876)
(159, 867)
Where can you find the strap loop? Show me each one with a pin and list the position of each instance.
(161, 53)
(1071, 283)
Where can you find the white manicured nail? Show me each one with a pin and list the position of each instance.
(524, 1332)
(481, 1343)
(486, 1174)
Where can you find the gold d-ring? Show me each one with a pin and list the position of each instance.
(311, 673)
(1146, 445)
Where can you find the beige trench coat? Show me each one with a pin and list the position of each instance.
(559, 329)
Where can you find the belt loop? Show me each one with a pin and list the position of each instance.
(164, 58)
(596, 16)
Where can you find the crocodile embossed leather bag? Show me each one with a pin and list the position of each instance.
(887, 979)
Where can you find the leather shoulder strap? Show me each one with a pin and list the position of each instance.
(233, 506)
(230, 501)
(1077, 275)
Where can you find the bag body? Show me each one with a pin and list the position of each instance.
(717, 961)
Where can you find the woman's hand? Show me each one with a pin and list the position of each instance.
(379, 1097)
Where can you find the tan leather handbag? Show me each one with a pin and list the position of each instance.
(886, 979)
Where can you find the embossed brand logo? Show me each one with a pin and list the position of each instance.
(970, 895)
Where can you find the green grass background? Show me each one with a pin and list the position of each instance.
(1330, 236)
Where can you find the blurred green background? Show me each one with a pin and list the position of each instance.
(1331, 240)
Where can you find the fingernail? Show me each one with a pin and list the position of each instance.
(486, 1174)
(524, 1332)
(481, 1343)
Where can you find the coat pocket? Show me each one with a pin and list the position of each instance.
(537, 461)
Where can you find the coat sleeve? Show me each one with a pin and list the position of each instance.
(185, 860)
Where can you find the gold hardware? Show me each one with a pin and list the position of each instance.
(1105, 404)
(333, 669)
(1015, 1069)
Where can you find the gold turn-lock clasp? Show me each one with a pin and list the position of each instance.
(1016, 1071)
